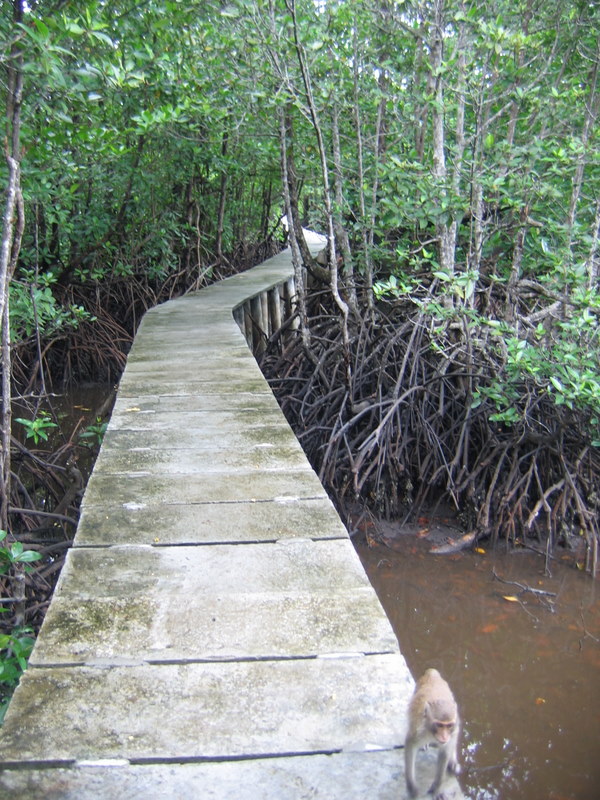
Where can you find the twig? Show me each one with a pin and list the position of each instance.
(586, 633)
(523, 587)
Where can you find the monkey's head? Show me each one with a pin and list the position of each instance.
(441, 720)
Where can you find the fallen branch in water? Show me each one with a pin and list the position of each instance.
(523, 587)
(454, 546)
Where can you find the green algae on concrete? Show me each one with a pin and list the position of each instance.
(205, 523)
(298, 598)
(213, 710)
(239, 402)
(252, 486)
(190, 461)
(212, 423)
(132, 385)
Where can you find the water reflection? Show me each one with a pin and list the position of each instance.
(526, 676)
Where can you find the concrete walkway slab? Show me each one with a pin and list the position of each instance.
(243, 401)
(217, 710)
(219, 420)
(132, 385)
(297, 599)
(374, 775)
(234, 454)
(249, 439)
(202, 488)
(207, 523)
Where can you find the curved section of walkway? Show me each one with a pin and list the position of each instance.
(213, 633)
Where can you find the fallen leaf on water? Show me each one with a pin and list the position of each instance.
(480, 550)
(539, 701)
(511, 598)
(489, 628)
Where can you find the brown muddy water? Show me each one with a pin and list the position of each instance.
(526, 673)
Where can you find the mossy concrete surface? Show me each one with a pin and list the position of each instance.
(375, 775)
(213, 634)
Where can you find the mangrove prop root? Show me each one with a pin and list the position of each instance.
(403, 429)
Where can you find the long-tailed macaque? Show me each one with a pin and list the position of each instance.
(432, 719)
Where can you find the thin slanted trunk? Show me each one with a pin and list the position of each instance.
(460, 142)
(293, 212)
(333, 264)
(515, 269)
(368, 261)
(442, 229)
(12, 230)
(379, 149)
(222, 197)
(593, 262)
(340, 230)
(477, 205)
(294, 243)
(591, 112)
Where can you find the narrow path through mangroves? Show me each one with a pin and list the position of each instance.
(213, 633)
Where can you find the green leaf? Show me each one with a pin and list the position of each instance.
(42, 28)
(16, 549)
(29, 556)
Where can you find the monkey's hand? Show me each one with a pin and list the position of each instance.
(438, 794)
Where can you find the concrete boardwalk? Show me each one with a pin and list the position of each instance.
(213, 633)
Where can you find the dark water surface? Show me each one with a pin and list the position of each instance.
(527, 679)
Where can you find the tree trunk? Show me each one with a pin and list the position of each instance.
(340, 230)
(294, 244)
(222, 197)
(12, 230)
(333, 264)
(368, 261)
(442, 229)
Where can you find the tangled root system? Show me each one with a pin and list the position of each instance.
(398, 430)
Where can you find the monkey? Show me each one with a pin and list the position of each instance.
(432, 719)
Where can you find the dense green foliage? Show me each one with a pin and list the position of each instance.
(448, 148)
(141, 167)
(15, 646)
